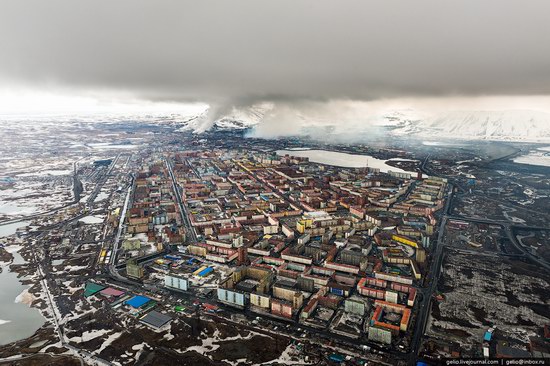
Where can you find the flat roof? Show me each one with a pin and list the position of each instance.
(112, 292)
(137, 301)
(246, 286)
(92, 288)
(155, 319)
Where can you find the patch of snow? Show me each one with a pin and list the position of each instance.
(47, 172)
(540, 156)
(25, 297)
(101, 196)
(286, 358)
(107, 146)
(108, 341)
(89, 335)
(74, 268)
(13, 248)
(92, 219)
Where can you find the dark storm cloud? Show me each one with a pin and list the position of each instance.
(245, 51)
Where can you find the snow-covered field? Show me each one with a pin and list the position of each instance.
(35, 192)
(289, 357)
(540, 156)
(95, 219)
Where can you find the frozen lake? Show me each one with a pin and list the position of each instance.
(343, 159)
(540, 156)
(10, 229)
(17, 319)
(107, 146)
(58, 172)
(15, 210)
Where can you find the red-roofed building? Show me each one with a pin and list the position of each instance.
(111, 292)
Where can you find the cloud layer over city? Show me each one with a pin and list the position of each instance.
(236, 53)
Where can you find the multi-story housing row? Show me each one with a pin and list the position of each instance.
(339, 249)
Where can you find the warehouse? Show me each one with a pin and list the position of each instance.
(138, 301)
(111, 293)
(155, 320)
(92, 288)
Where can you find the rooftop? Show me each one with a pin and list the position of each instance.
(155, 319)
(137, 301)
(92, 288)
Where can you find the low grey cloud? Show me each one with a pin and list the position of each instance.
(236, 53)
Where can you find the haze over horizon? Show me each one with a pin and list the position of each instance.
(350, 58)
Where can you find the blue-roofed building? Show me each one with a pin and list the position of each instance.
(488, 336)
(205, 271)
(137, 301)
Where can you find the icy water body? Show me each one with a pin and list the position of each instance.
(17, 319)
(15, 210)
(539, 156)
(10, 229)
(343, 159)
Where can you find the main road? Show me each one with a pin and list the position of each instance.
(116, 243)
(433, 275)
(191, 235)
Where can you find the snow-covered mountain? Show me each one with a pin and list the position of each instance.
(513, 125)
(240, 119)
(227, 118)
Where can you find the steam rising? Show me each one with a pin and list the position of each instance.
(331, 67)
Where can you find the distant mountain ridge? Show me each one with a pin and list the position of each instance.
(241, 119)
(513, 125)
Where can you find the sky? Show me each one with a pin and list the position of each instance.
(236, 53)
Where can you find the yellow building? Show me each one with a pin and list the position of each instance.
(260, 300)
(302, 225)
(404, 240)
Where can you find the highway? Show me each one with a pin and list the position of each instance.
(510, 232)
(191, 235)
(121, 220)
(428, 292)
(116, 242)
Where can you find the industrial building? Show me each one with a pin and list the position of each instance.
(155, 320)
